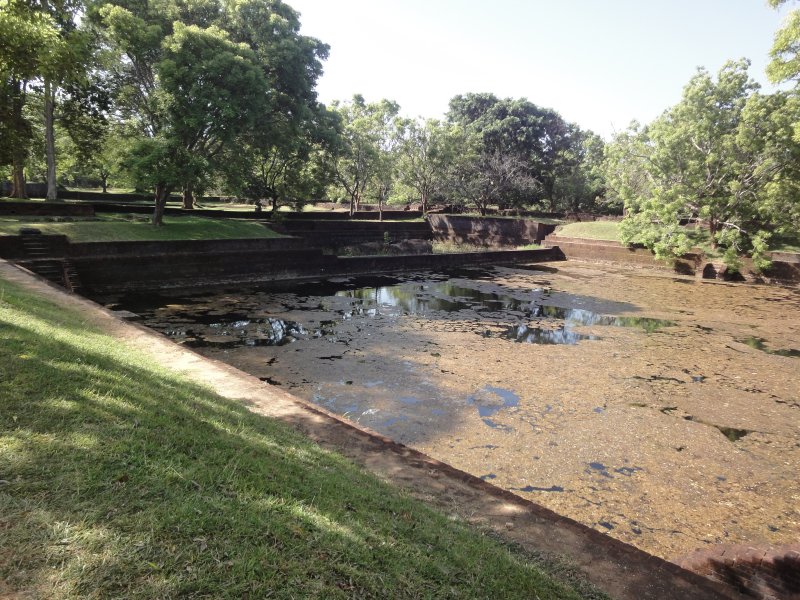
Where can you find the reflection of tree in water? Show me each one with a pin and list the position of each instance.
(444, 296)
(452, 297)
(538, 335)
(586, 317)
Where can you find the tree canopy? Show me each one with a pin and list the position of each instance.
(723, 158)
(198, 95)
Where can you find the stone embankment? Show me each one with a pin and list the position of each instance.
(760, 572)
(785, 266)
(488, 231)
(100, 267)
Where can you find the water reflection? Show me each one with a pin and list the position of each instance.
(538, 335)
(760, 344)
(536, 315)
(420, 299)
(489, 406)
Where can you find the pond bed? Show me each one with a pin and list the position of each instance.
(633, 402)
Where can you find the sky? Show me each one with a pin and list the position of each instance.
(599, 63)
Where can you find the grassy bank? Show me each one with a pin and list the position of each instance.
(592, 230)
(133, 227)
(120, 479)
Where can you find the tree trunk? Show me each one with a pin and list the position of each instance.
(162, 193)
(188, 196)
(712, 233)
(424, 204)
(50, 140)
(352, 204)
(18, 152)
(18, 177)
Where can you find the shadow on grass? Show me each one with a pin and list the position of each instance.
(121, 479)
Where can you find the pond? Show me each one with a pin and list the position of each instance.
(662, 410)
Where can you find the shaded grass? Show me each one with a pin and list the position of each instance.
(135, 227)
(121, 479)
(591, 230)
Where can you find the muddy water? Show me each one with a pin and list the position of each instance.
(664, 411)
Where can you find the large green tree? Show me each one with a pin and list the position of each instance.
(290, 169)
(281, 157)
(212, 90)
(198, 76)
(524, 145)
(425, 152)
(785, 51)
(29, 36)
(367, 131)
(722, 158)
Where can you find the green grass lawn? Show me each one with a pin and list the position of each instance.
(134, 227)
(592, 230)
(120, 479)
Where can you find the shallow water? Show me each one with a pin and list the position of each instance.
(663, 411)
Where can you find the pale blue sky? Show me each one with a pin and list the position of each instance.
(600, 63)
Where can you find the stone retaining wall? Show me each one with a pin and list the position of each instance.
(103, 267)
(763, 572)
(55, 209)
(338, 234)
(186, 269)
(84, 249)
(11, 246)
(602, 250)
(487, 231)
(362, 215)
(101, 274)
(785, 266)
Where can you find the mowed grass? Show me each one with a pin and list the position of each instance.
(120, 479)
(592, 230)
(135, 227)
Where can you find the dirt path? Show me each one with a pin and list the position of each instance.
(621, 570)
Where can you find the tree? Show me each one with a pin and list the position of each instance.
(212, 91)
(425, 152)
(28, 36)
(579, 179)
(489, 178)
(199, 76)
(191, 92)
(515, 132)
(722, 157)
(366, 130)
(294, 129)
(785, 51)
(287, 169)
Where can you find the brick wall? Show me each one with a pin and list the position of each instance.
(765, 572)
(487, 231)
